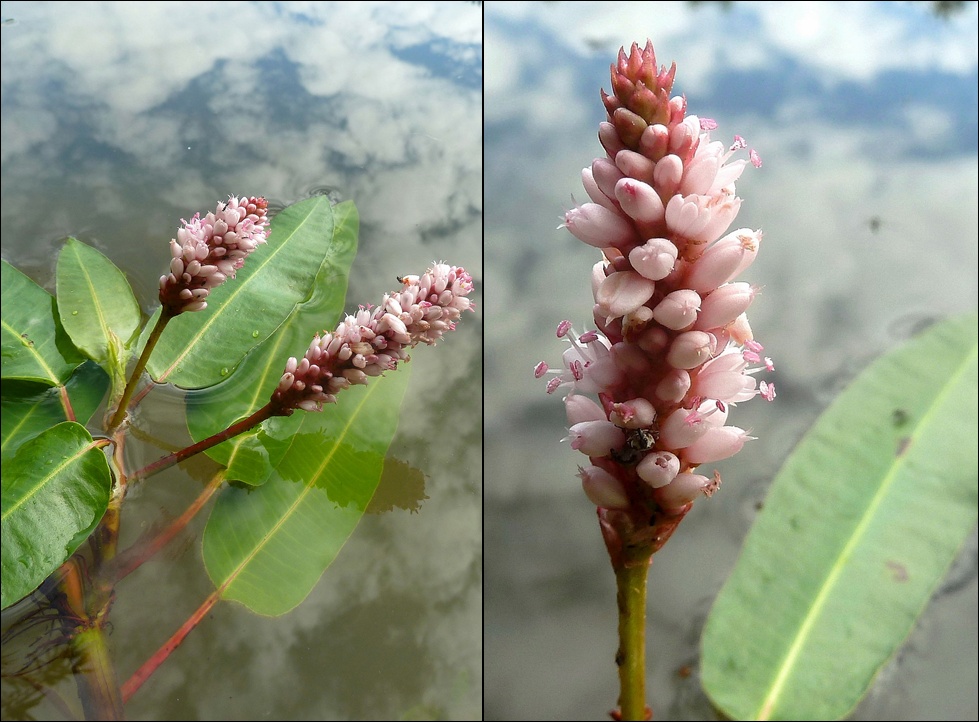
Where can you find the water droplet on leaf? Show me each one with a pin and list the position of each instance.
(254, 334)
(74, 313)
(224, 371)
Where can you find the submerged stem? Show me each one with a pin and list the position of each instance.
(96, 677)
(131, 559)
(120, 414)
(159, 657)
(631, 657)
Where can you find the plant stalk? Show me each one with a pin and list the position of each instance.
(131, 559)
(236, 428)
(631, 657)
(95, 676)
(154, 336)
(159, 657)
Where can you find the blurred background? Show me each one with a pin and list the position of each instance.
(118, 120)
(865, 116)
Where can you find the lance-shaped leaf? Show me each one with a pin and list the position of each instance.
(202, 348)
(97, 307)
(35, 345)
(55, 491)
(267, 546)
(859, 528)
(30, 408)
(251, 456)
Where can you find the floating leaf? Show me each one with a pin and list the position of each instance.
(35, 345)
(55, 491)
(97, 307)
(267, 546)
(250, 457)
(860, 526)
(202, 348)
(30, 408)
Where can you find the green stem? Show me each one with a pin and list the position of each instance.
(631, 657)
(95, 676)
(270, 409)
(120, 414)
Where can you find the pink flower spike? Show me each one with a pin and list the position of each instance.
(209, 250)
(371, 342)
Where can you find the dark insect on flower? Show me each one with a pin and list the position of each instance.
(637, 443)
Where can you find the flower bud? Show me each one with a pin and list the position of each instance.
(682, 428)
(598, 226)
(684, 489)
(635, 414)
(639, 201)
(596, 438)
(593, 191)
(673, 386)
(602, 488)
(581, 408)
(723, 305)
(654, 259)
(678, 310)
(724, 260)
(667, 174)
(690, 349)
(716, 444)
(658, 468)
(624, 292)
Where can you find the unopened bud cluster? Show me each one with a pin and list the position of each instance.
(209, 250)
(672, 351)
(374, 340)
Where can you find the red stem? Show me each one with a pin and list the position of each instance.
(270, 409)
(133, 558)
(159, 657)
(66, 403)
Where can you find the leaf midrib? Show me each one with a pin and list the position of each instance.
(33, 351)
(267, 537)
(45, 480)
(795, 649)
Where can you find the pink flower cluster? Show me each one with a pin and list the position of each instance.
(209, 250)
(373, 340)
(673, 350)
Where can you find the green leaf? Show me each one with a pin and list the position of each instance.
(55, 491)
(200, 349)
(35, 345)
(97, 307)
(30, 408)
(250, 457)
(267, 546)
(859, 528)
